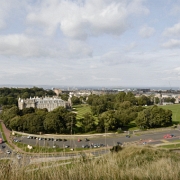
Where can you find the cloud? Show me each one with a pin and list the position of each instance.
(19, 45)
(172, 43)
(130, 46)
(173, 31)
(146, 31)
(82, 18)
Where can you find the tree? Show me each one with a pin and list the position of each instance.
(108, 120)
(88, 122)
(154, 117)
(75, 100)
(52, 123)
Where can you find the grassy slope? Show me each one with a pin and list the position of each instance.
(81, 109)
(175, 108)
(142, 163)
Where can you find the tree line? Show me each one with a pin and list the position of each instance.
(9, 96)
(31, 120)
(108, 112)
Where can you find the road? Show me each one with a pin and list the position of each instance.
(107, 140)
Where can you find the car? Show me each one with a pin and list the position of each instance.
(95, 145)
(168, 136)
(66, 146)
(102, 145)
(87, 139)
(79, 140)
(3, 146)
(17, 140)
(18, 156)
(55, 140)
(59, 139)
(144, 143)
(86, 146)
(8, 152)
(29, 137)
(119, 143)
(128, 136)
(64, 140)
(40, 139)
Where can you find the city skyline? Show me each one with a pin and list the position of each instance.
(120, 43)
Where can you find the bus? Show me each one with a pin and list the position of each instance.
(1, 141)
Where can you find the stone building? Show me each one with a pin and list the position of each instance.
(40, 103)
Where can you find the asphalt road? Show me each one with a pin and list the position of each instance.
(107, 140)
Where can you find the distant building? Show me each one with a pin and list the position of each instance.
(41, 103)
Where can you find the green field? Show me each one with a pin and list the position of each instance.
(81, 109)
(175, 108)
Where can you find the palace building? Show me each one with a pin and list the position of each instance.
(50, 103)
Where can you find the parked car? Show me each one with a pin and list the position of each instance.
(66, 146)
(79, 140)
(87, 139)
(119, 143)
(8, 152)
(18, 156)
(128, 136)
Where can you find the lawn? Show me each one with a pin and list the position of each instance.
(175, 108)
(81, 109)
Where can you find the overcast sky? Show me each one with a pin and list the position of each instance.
(90, 42)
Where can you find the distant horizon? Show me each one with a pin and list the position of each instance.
(85, 87)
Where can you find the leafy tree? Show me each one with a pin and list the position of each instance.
(64, 96)
(75, 100)
(108, 120)
(154, 117)
(52, 123)
(88, 122)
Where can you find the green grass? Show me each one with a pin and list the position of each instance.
(171, 146)
(131, 163)
(81, 110)
(3, 135)
(175, 108)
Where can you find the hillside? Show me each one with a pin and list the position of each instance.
(129, 164)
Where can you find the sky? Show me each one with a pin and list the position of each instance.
(90, 43)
